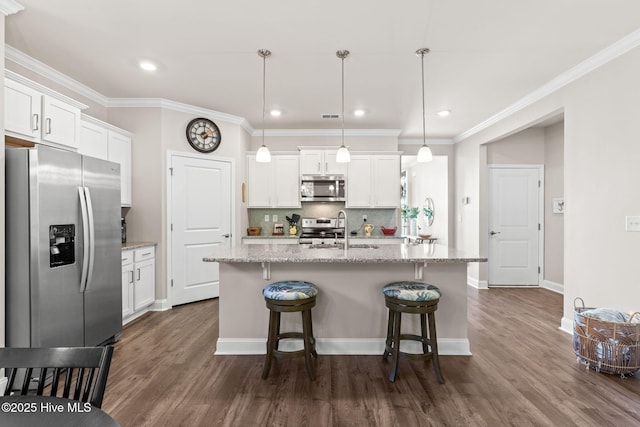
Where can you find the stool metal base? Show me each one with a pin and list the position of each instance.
(276, 307)
(426, 310)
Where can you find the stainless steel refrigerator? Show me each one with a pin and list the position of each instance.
(63, 249)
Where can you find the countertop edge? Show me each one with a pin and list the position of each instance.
(137, 245)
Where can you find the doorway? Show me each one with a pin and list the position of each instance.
(516, 215)
(199, 218)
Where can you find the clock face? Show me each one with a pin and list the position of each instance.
(203, 135)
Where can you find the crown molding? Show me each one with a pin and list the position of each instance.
(179, 106)
(430, 141)
(32, 64)
(606, 55)
(43, 89)
(108, 126)
(327, 132)
(9, 7)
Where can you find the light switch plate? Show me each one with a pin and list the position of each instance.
(274, 218)
(266, 217)
(633, 223)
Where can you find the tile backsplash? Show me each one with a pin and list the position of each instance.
(377, 217)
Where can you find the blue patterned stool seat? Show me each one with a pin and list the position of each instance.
(290, 290)
(412, 291)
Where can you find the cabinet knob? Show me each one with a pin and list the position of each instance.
(226, 235)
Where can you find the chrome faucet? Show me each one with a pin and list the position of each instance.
(346, 239)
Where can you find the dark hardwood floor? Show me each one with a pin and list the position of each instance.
(523, 372)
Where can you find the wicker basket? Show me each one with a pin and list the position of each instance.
(609, 347)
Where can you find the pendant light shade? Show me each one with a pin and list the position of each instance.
(343, 156)
(424, 154)
(263, 155)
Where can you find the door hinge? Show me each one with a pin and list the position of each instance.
(538, 273)
(171, 171)
(539, 183)
(172, 283)
(539, 227)
(171, 227)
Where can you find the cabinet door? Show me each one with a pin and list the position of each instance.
(311, 162)
(61, 122)
(22, 111)
(259, 180)
(127, 291)
(286, 181)
(331, 167)
(93, 141)
(120, 152)
(359, 182)
(386, 179)
(144, 289)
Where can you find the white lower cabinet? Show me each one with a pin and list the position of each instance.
(138, 281)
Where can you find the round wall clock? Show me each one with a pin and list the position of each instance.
(203, 135)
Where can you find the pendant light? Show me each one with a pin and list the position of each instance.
(263, 155)
(424, 154)
(343, 156)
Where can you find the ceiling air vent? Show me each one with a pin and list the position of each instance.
(331, 116)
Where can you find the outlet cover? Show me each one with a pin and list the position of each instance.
(632, 223)
(274, 218)
(266, 217)
(364, 218)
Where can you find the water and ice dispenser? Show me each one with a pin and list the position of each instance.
(62, 245)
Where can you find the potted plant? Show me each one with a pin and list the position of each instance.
(410, 215)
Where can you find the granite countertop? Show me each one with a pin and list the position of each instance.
(432, 253)
(136, 245)
(286, 236)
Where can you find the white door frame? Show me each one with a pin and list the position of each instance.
(170, 155)
(540, 212)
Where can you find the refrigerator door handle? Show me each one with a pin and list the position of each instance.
(85, 239)
(92, 240)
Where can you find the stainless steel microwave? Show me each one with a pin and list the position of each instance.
(322, 188)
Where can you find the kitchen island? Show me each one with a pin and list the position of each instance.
(350, 316)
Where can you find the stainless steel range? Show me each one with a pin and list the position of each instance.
(321, 230)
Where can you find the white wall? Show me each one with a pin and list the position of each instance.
(553, 222)
(2, 290)
(601, 155)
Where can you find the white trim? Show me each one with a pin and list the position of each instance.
(3, 385)
(540, 169)
(8, 74)
(430, 141)
(609, 53)
(168, 160)
(14, 55)
(160, 305)
(478, 284)
(9, 7)
(326, 132)
(566, 325)
(135, 315)
(179, 106)
(337, 346)
(553, 286)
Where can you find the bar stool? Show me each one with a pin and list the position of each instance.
(290, 296)
(414, 298)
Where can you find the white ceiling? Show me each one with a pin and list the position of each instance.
(485, 55)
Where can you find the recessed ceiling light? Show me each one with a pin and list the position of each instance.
(148, 66)
(443, 113)
(359, 113)
(276, 113)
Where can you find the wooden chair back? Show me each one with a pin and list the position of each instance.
(84, 369)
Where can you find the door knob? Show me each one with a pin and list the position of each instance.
(226, 235)
(494, 232)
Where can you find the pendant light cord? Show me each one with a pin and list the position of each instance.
(264, 91)
(342, 115)
(424, 120)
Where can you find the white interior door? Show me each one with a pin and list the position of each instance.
(514, 223)
(201, 220)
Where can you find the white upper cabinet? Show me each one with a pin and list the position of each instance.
(320, 162)
(373, 181)
(104, 141)
(275, 184)
(40, 115)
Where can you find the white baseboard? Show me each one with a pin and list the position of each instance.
(553, 286)
(478, 284)
(336, 346)
(566, 325)
(160, 305)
